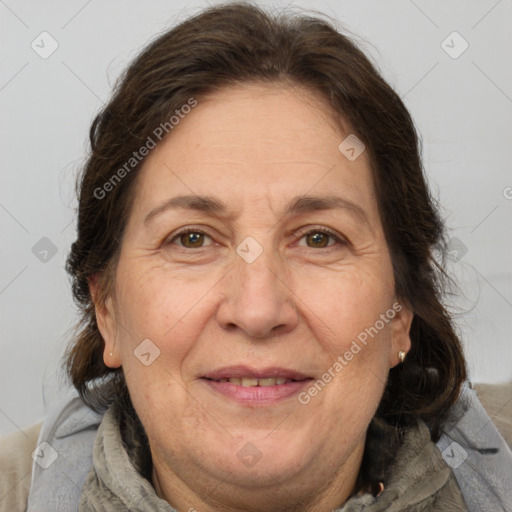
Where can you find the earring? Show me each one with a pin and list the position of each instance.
(111, 354)
(401, 356)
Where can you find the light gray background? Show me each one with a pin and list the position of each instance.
(462, 107)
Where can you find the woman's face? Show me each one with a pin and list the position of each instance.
(254, 249)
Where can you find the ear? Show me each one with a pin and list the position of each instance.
(106, 320)
(400, 331)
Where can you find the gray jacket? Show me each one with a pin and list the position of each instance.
(471, 449)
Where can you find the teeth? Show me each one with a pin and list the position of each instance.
(247, 383)
(250, 382)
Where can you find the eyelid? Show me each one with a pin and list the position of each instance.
(183, 231)
(322, 229)
(299, 233)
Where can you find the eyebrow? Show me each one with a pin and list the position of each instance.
(299, 204)
(204, 204)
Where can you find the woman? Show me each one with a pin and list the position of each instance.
(262, 317)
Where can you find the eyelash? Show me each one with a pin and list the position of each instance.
(185, 231)
(301, 234)
(326, 231)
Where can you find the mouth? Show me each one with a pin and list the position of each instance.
(248, 382)
(256, 387)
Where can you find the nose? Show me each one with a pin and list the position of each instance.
(258, 300)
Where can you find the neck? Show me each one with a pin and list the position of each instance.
(309, 492)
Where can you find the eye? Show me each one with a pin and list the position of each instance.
(320, 238)
(190, 239)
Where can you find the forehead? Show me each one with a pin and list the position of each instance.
(255, 145)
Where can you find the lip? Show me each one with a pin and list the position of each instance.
(240, 371)
(256, 396)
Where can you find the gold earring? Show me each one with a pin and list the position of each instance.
(401, 356)
(110, 354)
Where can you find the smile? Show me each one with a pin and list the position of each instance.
(247, 382)
(255, 387)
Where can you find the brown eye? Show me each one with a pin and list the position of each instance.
(191, 239)
(317, 239)
(320, 239)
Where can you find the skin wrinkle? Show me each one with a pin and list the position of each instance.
(319, 304)
(327, 214)
(211, 206)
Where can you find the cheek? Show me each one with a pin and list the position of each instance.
(351, 385)
(170, 312)
(162, 306)
(348, 319)
(348, 308)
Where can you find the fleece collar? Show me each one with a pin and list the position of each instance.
(484, 473)
(417, 477)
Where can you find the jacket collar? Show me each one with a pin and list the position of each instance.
(415, 472)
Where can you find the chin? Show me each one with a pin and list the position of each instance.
(260, 462)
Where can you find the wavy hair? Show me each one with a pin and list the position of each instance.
(239, 43)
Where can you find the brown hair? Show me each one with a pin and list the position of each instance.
(238, 43)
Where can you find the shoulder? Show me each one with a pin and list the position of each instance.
(497, 401)
(67, 436)
(64, 446)
(16, 467)
(474, 444)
